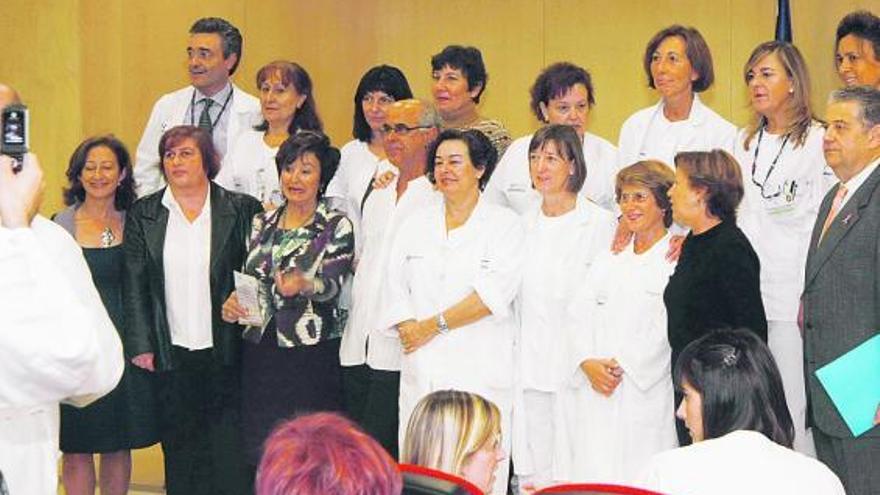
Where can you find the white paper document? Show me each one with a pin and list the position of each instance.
(246, 290)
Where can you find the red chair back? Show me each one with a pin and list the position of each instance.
(419, 480)
(593, 489)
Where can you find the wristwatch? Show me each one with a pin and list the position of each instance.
(442, 327)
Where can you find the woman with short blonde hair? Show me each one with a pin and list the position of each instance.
(455, 432)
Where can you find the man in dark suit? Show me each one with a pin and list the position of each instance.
(182, 245)
(841, 299)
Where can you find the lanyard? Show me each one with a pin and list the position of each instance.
(192, 109)
(772, 164)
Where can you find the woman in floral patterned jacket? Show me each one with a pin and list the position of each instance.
(299, 254)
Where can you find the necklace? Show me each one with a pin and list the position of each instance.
(107, 237)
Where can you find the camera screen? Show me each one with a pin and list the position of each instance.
(13, 128)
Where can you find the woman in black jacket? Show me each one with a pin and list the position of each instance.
(716, 283)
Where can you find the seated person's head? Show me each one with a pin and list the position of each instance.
(325, 454)
(730, 382)
(458, 433)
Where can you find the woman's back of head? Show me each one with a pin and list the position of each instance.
(325, 454)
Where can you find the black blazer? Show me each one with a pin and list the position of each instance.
(144, 276)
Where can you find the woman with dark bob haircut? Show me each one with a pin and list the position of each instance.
(453, 273)
(734, 407)
(562, 94)
(678, 65)
(459, 81)
(287, 104)
(564, 235)
(100, 191)
(325, 454)
(717, 281)
(300, 255)
(379, 87)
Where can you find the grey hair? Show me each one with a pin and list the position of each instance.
(429, 115)
(867, 98)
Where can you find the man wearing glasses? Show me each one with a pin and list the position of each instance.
(370, 355)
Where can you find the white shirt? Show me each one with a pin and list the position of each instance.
(187, 268)
(57, 343)
(363, 341)
(741, 462)
(221, 104)
(511, 185)
(561, 250)
(250, 169)
(648, 134)
(779, 226)
(856, 181)
(618, 312)
(357, 167)
(430, 270)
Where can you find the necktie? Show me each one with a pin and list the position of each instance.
(205, 117)
(835, 209)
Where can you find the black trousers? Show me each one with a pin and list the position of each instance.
(371, 400)
(199, 426)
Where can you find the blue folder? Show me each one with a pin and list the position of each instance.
(853, 383)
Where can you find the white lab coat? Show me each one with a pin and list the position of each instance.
(779, 228)
(648, 135)
(250, 168)
(740, 462)
(357, 167)
(511, 184)
(619, 313)
(429, 271)
(363, 341)
(171, 110)
(561, 250)
(57, 344)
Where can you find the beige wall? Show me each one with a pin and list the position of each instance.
(90, 66)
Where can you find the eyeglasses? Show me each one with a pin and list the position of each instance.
(636, 197)
(401, 129)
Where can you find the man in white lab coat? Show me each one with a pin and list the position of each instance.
(371, 355)
(211, 102)
(56, 342)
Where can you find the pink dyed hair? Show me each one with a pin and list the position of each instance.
(325, 454)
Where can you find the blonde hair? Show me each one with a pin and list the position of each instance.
(654, 175)
(447, 427)
(800, 113)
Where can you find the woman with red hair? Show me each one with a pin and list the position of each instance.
(325, 454)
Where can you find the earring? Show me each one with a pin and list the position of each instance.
(791, 91)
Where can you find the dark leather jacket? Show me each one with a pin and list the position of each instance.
(144, 277)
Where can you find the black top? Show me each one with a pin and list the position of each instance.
(716, 284)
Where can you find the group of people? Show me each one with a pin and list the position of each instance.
(554, 281)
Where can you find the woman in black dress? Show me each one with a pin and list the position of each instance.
(100, 190)
(299, 253)
(716, 283)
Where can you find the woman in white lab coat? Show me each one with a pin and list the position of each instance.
(454, 270)
(564, 234)
(734, 408)
(678, 64)
(562, 94)
(619, 371)
(785, 179)
(287, 103)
